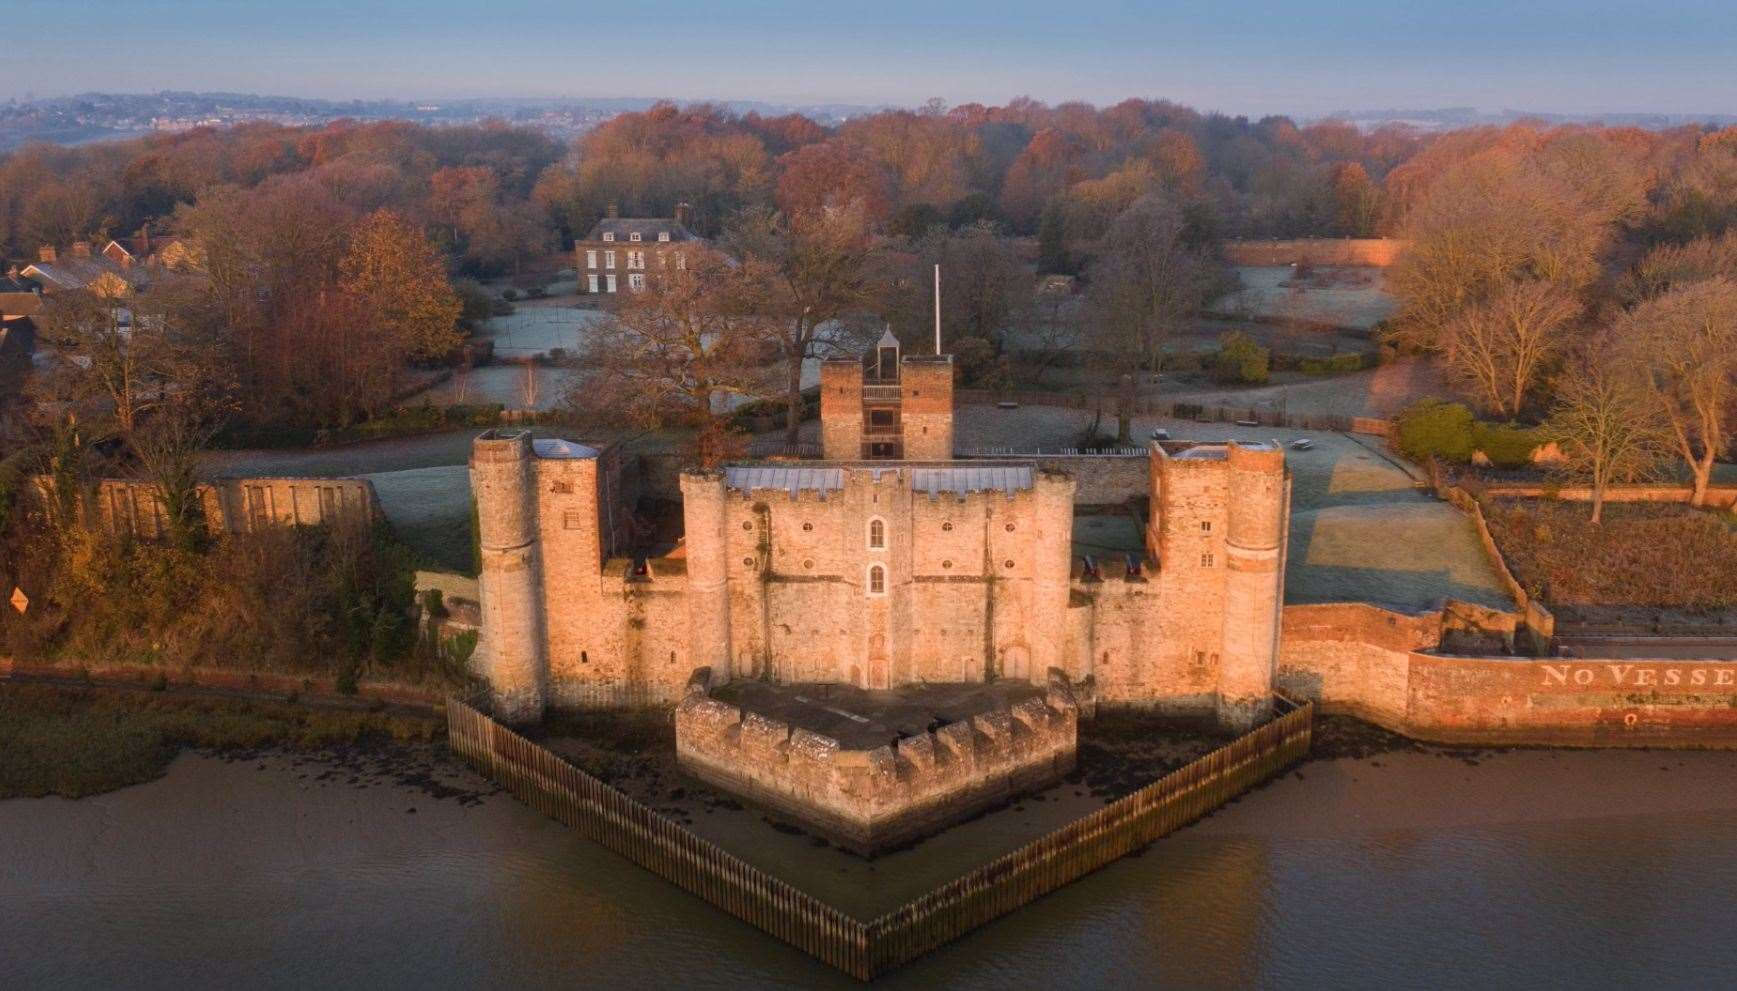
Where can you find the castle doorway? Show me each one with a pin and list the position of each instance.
(1016, 662)
(877, 661)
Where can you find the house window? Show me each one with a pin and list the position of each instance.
(1206, 560)
(591, 281)
(609, 259)
(636, 259)
(609, 282)
(590, 257)
(663, 235)
(877, 535)
(1205, 526)
(877, 580)
(634, 236)
(681, 261)
(608, 235)
(636, 282)
(662, 260)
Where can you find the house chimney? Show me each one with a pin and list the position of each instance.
(144, 240)
(681, 214)
(45, 253)
(81, 249)
(614, 211)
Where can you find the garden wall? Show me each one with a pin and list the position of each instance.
(1372, 251)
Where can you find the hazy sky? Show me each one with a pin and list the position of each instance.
(1240, 56)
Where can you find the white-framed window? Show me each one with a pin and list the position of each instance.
(663, 235)
(877, 534)
(609, 282)
(877, 580)
(608, 235)
(590, 257)
(634, 236)
(681, 261)
(636, 282)
(609, 259)
(636, 259)
(592, 280)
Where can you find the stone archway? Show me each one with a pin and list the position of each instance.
(1016, 662)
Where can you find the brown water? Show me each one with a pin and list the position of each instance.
(1406, 870)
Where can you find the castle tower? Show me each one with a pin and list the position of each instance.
(841, 411)
(510, 658)
(1259, 504)
(1053, 571)
(926, 407)
(705, 514)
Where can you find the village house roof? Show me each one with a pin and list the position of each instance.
(77, 272)
(648, 229)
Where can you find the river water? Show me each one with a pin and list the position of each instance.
(1403, 870)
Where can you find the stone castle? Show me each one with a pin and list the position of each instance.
(888, 563)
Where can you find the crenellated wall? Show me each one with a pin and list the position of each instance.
(869, 800)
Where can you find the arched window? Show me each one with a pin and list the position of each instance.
(877, 580)
(877, 534)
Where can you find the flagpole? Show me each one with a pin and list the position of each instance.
(937, 309)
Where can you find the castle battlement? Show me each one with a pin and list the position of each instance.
(869, 798)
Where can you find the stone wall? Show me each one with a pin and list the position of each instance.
(1375, 664)
(870, 800)
(1373, 251)
(237, 505)
(1718, 496)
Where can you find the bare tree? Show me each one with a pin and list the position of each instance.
(1685, 342)
(679, 355)
(167, 446)
(812, 274)
(1502, 345)
(1146, 283)
(1607, 420)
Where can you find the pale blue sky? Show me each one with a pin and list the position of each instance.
(1250, 57)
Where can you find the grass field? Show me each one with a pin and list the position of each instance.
(75, 742)
(1359, 300)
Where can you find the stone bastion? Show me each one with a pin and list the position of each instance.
(869, 797)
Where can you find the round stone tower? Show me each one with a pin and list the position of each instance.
(705, 513)
(1254, 583)
(512, 656)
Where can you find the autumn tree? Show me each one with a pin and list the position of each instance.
(1607, 421)
(1684, 342)
(1502, 345)
(809, 276)
(1485, 224)
(984, 286)
(392, 271)
(118, 357)
(683, 354)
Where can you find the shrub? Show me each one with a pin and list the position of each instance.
(536, 292)
(1433, 428)
(1240, 360)
(1336, 365)
(1506, 445)
(509, 294)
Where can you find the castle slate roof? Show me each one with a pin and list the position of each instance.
(648, 228)
(746, 478)
(1006, 479)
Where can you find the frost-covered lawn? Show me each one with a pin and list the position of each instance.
(1359, 299)
(537, 327)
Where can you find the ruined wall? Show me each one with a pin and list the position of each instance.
(236, 505)
(873, 799)
(1374, 251)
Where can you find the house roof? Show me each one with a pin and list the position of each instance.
(648, 228)
(76, 272)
